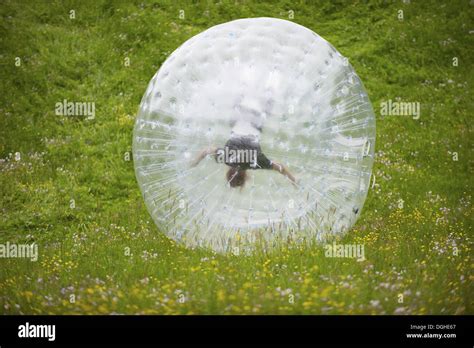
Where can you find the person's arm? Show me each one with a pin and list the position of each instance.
(211, 150)
(283, 170)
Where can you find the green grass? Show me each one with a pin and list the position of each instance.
(422, 250)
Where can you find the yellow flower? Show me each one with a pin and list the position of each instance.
(247, 285)
(221, 295)
(28, 295)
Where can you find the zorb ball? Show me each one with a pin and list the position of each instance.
(304, 107)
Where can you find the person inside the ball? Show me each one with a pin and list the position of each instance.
(241, 153)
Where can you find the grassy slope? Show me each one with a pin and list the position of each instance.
(409, 251)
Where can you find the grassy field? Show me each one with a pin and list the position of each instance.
(67, 186)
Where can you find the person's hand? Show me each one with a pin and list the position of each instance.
(295, 182)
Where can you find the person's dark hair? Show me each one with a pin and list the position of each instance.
(236, 177)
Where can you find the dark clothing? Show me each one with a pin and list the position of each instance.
(251, 158)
